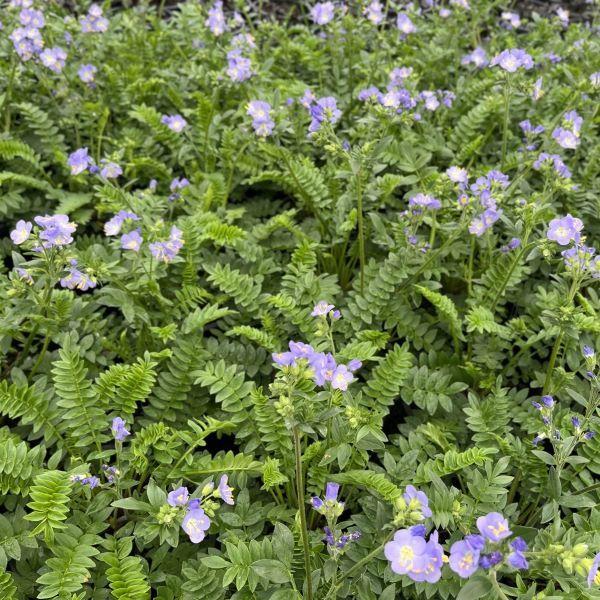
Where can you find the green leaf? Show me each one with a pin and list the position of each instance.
(476, 587)
(132, 504)
(216, 562)
(273, 570)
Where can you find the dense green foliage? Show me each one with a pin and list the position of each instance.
(457, 331)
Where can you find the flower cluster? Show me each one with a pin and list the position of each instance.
(216, 19)
(331, 508)
(546, 409)
(323, 110)
(489, 548)
(374, 12)
(512, 60)
(27, 39)
(94, 21)
(410, 553)
(488, 189)
(323, 366)
(261, 119)
(76, 279)
(554, 162)
(197, 511)
(166, 251)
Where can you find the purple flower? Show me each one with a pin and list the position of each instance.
(563, 15)
(576, 422)
(595, 79)
(331, 492)
(464, 558)
(563, 230)
(132, 240)
(56, 230)
(417, 501)
(458, 175)
(178, 497)
(425, 201)
(322, 12)
(79, 161)
(326, 110)
(431, 102)
(548, 401)
(54, 59)
(512, 60)
(511, 19)
(519, 544)
(91, 481)
(283, 358)
(239, 68)
(370, 93)
(411, 555)
(216, 19)
(588, 351)
(175, 123)
(588, 435)
(94, 22)
(578, 257)
(398, 75)
(178, 184)
(195, 523)
(374, 12)
(537, 92)
(324, 367)
(118, 429)
(322, 309)
(478, 58)
(168, 250)
(21, 232)
(111, 170)
(76, 279)
(555, 161)
(24, 275)
(354, 365)
(87, 73)
(493, 526)
(113, 225)
(565, 138)
(405, 25)
(593, 575)
(316, 502)
(32, 18)
(341, 378)
(487, 561)
(225, 491)
(301, 350)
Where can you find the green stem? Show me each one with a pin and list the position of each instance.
(361, 234)
(555, 351)
(38, 362)
(302, 510)
(357, 567)
(496, 586)
(507, 91)
(470, 268)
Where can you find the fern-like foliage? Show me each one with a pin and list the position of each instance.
(76, 397)
(8, 589)
(452, 461)
(228, 386)
(18, 465)
(124, 573)
(122, 387)
(378, 291)
(376, 482)
(31, 406)
(446, 310)
(200, 581)
(69, 568)
(49, 503)
(243, 289)
(387, 378)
